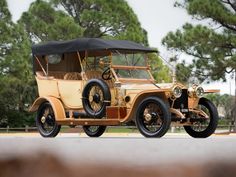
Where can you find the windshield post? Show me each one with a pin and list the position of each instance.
(46, 59)
(82, 67)
(40, 65)
(110, 59)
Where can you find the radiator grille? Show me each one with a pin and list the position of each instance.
(182, 102)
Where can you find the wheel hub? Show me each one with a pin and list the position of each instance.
(43, 119)
(96, 98)
(148, 117)
(50, 120)
(154, 115)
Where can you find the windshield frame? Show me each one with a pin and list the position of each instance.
(146, 67)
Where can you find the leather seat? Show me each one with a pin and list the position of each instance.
(73, 76)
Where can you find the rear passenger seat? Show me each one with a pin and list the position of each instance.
(72, 76)
(57, 74)
(51, 75)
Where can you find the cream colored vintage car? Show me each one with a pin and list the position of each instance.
(97, 83)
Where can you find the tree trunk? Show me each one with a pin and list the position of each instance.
(232, 127)
(234, 107)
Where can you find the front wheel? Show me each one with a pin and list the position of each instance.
(204, 128)
(46, 122)
(94, 131)
(153, 117)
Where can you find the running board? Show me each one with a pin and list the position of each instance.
(91, 121)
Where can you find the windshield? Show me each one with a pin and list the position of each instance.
(132, 65)
(134, 59)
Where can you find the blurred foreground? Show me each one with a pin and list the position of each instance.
(114, 155)
(48, 166)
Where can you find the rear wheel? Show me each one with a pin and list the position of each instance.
(153, 117)
(46, 122)
(96, 96)
(206, 126)
(93, 130)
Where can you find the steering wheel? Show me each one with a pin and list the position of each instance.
(106, 75)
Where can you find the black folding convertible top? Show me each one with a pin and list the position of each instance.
(87, 44)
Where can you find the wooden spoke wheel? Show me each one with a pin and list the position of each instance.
(153, 117)
(46, 122)
(96, 96)
(207, 125)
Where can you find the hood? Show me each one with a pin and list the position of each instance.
(146, 86)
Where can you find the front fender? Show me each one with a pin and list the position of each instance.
(56, 104)
(142, 95)
(212, 91)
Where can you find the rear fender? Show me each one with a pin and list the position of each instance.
(56, 104)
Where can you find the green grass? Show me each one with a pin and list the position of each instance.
(222, 125)
(121, 130)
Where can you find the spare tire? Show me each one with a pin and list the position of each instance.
(96, 97)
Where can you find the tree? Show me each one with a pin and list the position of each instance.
(52, 25)
(6, 29)
(17, 81)
(15, 71)
(5, 41)
(225, 101)
(213, 46)
(225, 104)
(68, 19)
(105, 18)
(160, 72)
(87, 18)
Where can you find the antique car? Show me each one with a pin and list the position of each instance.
(96, 83)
